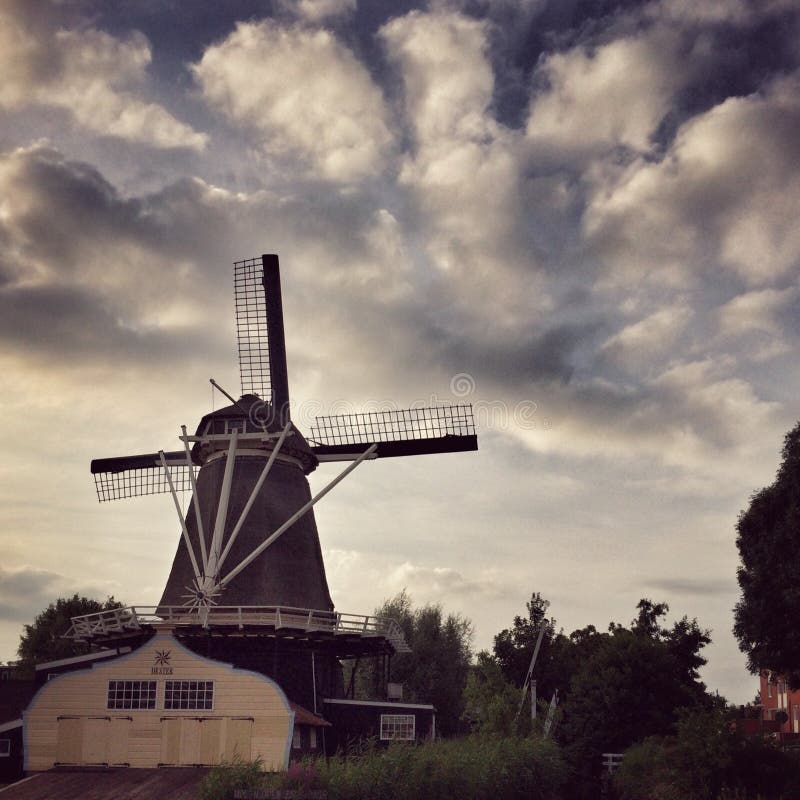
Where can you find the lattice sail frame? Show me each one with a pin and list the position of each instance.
(141, 482)
(410, 424)
(251, 328)
(137, 476)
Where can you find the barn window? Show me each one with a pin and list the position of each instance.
(312, 736)
(297, 741)
(190, 695)
(398, 727)
(5, 748)
(131, 695)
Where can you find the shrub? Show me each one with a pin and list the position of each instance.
(475, 767)
(705, 760)
(483, 768)
(222, 781)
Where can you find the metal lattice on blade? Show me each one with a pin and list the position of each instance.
(412, 431)
(251, 327)
(140, 482)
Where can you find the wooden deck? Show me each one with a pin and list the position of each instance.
(165, 783)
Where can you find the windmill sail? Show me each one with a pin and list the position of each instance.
(259, 329)
(406, 432)
(136, 476)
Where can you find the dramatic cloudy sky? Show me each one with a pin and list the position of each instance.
(579, 215)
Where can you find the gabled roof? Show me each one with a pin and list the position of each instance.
(302, 716)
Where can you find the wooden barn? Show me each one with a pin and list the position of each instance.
(161, 705)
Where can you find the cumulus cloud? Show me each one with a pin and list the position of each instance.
(463, 168)
(761, 322)
(596, 99)
(654, 335)
(725, 192)
(304, 94)
(758, 310)
(91, 75)
(443, 582)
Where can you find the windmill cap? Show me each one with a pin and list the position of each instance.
(258, 416)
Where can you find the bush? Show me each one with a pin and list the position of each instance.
(705, 760)
(483, 768)
(478, 768)
(222, 781)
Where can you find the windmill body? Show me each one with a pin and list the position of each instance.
(291, 573)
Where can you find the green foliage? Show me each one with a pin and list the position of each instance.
(630, 688)
(616, 688)
(491, 702)
(222, 781)
(703, 760)
(769, 575)
(42, 640)
(690, 765)
(475, 767)
(435, 671)
(513, 649)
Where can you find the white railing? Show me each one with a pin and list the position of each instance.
(133, 618)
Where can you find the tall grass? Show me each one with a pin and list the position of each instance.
(472, 768)
(478, 768)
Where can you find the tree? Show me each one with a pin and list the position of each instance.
(513, 649)
(768, 538)
(628, 684)
(491, 702)
(435, 671)
(42, 641)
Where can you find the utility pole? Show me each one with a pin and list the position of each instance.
(529, 680)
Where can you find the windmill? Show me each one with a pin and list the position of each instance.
(249, 538)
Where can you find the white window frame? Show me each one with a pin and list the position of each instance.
(312, 738)
(398, 727)
(138, 689)
(193, 700)
(5, 748)
(297, 740)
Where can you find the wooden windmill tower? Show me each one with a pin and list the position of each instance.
(249, 556)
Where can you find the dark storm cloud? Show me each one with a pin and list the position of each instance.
(74, 325)
(88, 272)
(701, 587)
(58, 200)
(27, 591)
(531, 357)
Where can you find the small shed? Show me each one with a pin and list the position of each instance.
(384, 721)
(309, 737)
(15, 694)
(161, 705)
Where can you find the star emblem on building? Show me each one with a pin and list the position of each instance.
(162, 658)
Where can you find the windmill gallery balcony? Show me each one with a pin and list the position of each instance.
(277, 621)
